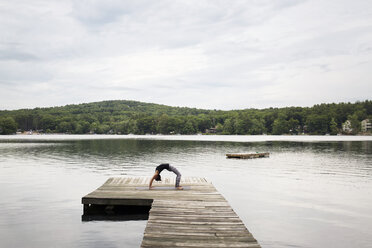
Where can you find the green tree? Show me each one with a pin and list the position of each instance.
(228, 127)
(162, 124)
(203, 122)
(280, 126)
(95, 128)
(7, 125)
(175, 125)
(65, 127)
(318, 124)
(333, 127)
(146, 125)
(239, 127)
(188, 128)
(105, 128)
(219, 128)
(269, 117)
(136, 117)
(48, 122)
(293, 126)
(82, 127)
(257, 126)
(355, 123)
(24, 119)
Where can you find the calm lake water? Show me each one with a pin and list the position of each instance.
(311, 192)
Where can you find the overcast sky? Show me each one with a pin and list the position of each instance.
(204, 54)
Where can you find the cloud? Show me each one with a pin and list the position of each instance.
(16, 55)
(208, 54)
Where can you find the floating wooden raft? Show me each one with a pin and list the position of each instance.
(248, 155)
(197, 217)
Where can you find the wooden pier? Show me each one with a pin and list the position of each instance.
(248, 155)
(197, 216)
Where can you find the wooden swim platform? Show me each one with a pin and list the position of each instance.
(198, 216)
(248, 155)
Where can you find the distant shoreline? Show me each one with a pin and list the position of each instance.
(93, 134)
(125, 117)
(212, 138)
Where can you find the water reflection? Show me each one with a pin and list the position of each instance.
(113, 149)
(303, 188)
(115, 213)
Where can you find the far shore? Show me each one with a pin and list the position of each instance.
(212, 138)
(36, 133)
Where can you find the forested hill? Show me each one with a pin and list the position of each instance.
(124, 117)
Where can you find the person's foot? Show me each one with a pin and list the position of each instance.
(179, 188)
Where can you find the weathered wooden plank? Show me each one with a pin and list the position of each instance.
(197, 228)
(199, 232)
(224, 214)
(202, 223)
(196, 203)
(197, 218)
(109, 181)
(191, 243)
(209, 238)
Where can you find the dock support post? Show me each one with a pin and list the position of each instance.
(86, 207)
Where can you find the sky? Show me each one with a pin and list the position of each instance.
(205, 54)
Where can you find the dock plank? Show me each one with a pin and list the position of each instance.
(197, 217)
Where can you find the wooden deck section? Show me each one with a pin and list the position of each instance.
(248, 155)
(195, 217)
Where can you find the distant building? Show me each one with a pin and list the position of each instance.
(366, 126)
(211, 130)
(346, 127)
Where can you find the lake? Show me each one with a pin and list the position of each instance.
(313, 191)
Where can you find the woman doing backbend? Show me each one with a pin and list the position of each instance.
(169, 167)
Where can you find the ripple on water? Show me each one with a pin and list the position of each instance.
(291, 199)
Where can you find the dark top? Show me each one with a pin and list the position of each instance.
(161, 167)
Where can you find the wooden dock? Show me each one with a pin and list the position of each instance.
(248, 155)
(198, 216)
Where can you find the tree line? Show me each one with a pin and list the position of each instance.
(126, 117)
